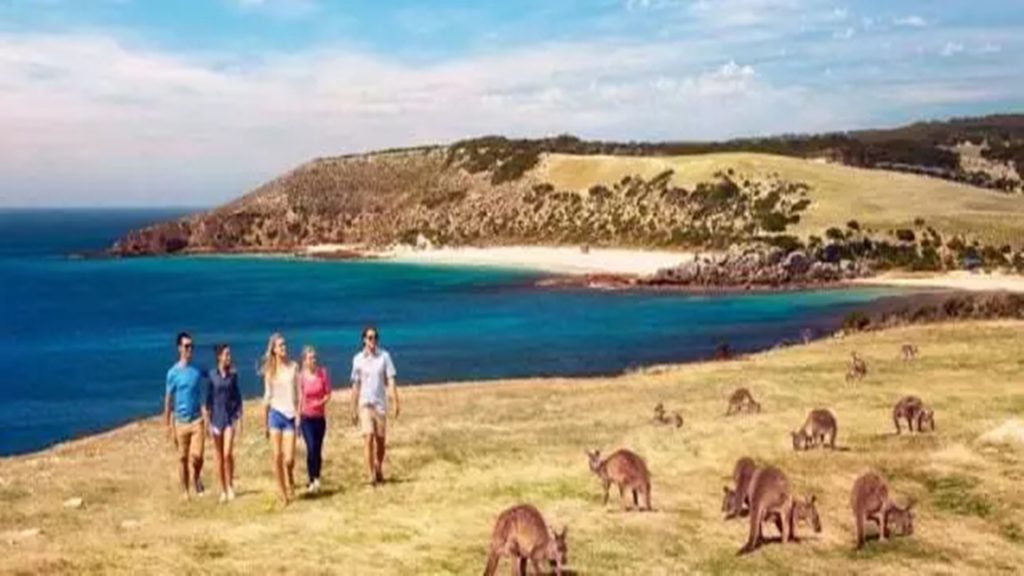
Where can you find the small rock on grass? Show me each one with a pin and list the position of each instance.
(130, 524)
(73, 503)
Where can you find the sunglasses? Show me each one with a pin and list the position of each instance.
(371, 337)
(187, 346)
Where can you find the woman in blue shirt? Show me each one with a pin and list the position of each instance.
(224, 413)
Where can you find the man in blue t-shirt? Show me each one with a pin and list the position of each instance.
(187, 429)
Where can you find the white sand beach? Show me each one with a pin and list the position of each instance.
(561, 260)
(961, 280)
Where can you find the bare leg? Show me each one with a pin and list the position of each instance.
(278, 464)
(218, 447)
(288, 460)
(382, 446)
(607, 485)
(229, 457)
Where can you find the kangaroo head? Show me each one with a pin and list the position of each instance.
(557, 550)
(659, 408)
(901, 519)
(799, 440)
(807, 511)
(727, 497)
(757, 407)
(927, 416)
(595, 460)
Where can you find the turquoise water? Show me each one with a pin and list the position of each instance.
(85, 343)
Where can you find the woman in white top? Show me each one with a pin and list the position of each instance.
(280, 407)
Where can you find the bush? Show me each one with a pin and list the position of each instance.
(904, 235)
(856, 321)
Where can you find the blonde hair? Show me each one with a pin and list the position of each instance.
(270, 360)
(306, 351)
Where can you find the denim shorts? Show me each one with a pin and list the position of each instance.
(278, 421)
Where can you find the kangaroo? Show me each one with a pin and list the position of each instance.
(820, 423)
(520, 532)
(736, 500)
(659, 414)
(908, 352)
(742, 401)
(677, 419)
(627, 471)
(858, 368)
(913, 410)
(870, 500)
(770, 498)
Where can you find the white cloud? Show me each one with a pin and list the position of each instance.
(113, 119)
(951, 49)
(912, 21)
(844, 34)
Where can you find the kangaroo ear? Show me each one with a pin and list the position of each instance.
(565, 531)
(725, 489)
(813, 499)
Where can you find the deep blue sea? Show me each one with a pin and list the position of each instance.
(85, 344)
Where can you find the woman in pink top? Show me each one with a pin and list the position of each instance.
(314, 393)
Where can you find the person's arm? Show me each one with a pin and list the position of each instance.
(389, 366)
(168, 399)
(236, 396)
(356, 383)
(297, 395)
(326, 378)
(266, 406)
(207, 406)
(301, 391)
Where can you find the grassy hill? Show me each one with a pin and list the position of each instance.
(461, 453)
(877, 199)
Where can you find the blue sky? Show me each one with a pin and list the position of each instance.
(147, 102)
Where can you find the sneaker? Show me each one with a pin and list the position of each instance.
(223, 497)
(231, 493)
(316, 485)
(311, 488)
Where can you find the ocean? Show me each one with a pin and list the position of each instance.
(85, 343)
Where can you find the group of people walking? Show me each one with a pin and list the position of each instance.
(295, 398)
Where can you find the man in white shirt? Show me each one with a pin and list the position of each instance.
(372, 374)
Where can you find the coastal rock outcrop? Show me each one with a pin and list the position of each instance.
(757, 267)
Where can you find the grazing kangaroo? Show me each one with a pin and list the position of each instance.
(742, 401)
(627, 471)
(908, 352)
(870, 500)
(913, 410)
(736, 501)
(858, 368)
(677, 419)
(770, 497)
(659, 414)
(820, 423)
(521, 533)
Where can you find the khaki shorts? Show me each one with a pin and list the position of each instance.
(372, 422)
(191, 436)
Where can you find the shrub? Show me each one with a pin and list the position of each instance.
(856, 321)
(905, 235)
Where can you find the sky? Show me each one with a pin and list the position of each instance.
(194, 102)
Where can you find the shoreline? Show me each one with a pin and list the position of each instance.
(876, 308)
(607, 268)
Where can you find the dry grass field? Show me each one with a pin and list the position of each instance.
(462, 453)
(878, 199)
